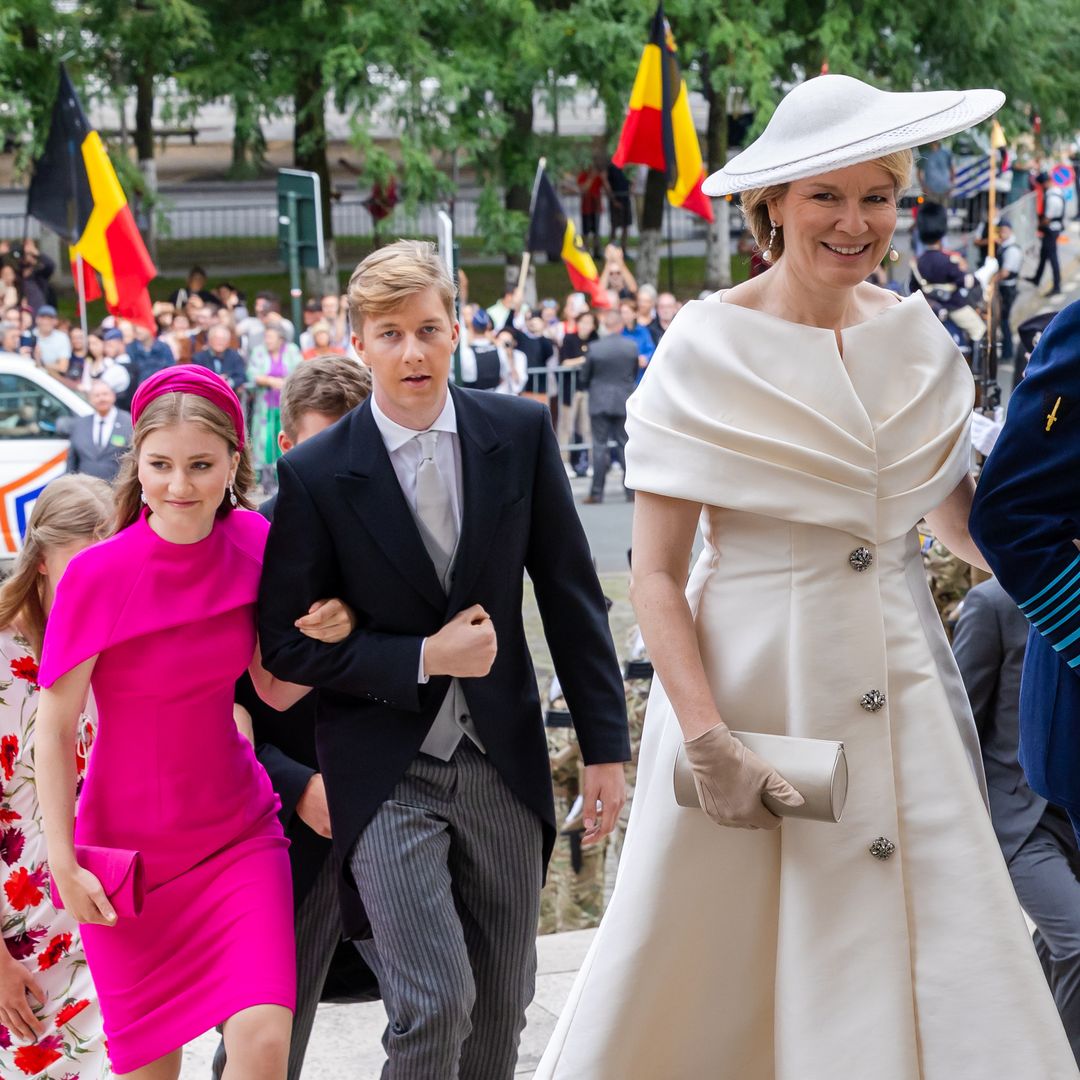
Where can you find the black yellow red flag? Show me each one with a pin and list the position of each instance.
(551, 231)
(76, 193)
(659, 127)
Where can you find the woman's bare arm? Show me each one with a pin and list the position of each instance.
(949, 524)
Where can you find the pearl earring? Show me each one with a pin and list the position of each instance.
(894, 255)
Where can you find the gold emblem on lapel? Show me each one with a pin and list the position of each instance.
(1051, 417)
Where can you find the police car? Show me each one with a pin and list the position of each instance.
(36, 414)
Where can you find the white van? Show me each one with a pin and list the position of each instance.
(36, 414)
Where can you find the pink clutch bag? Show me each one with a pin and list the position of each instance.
(120, 873)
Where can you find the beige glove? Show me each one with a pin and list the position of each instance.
(730, 781)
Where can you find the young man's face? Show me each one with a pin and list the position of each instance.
(409, 351)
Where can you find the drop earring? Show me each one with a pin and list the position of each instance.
(767, 254)
(142, 498)
(232, 497)
(894, 255)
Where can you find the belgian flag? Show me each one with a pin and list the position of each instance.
(76, 193)
(659, 128)
(551, 231)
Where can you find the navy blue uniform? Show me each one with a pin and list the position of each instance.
(1025, 519)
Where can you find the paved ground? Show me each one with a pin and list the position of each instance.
(345, 1042)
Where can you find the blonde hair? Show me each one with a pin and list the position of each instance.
(390, 275)
(755, 202)
(163, 412)
(71, 508)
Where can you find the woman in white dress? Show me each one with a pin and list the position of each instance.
(810, 420)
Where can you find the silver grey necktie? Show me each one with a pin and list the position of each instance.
(433, 505)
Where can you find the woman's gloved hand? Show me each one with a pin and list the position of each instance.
(730, 781)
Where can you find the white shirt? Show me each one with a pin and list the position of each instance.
(103, 426)
(404, 450)
(53, 347)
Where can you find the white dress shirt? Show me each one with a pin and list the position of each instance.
(103, 426)
(404, 450)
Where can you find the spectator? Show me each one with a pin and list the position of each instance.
(512, 364)
(10, 335)
(937, 173)
(609, 374)
(268, 367)
(333, 313)
(591, 184)
(311, 314)
(573, 426)
(322, 342)
(70, 371)
(196, 286)
(481, 361)
(100, 440)
(628, 312)
(52, 344)
(502, 311)
(221, 357)
(95, 363)
(9, 286)
(646, 311)
(666, 307)
(35, 270)
(179, 331)
(117, 373)
(147, 355)
(616, 276)
(164, 313)
(230, 298)
(539, 355)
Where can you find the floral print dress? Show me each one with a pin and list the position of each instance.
(46, 941)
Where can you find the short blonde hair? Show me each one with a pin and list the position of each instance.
(755, 202)
(390, 275)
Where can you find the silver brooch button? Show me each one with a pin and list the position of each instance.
(861, 559)
(882, 848)
(873, 701)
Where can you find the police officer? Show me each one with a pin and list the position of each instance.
(1010, 260)
(1051, 202)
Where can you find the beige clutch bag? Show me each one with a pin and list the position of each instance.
(815, 768)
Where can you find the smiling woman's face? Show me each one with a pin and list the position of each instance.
(837, 226)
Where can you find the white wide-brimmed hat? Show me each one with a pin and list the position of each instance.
(833, 121)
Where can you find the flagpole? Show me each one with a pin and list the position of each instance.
(670, 249)
(81, 286)
(526, 256)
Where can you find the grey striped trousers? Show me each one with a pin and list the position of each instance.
(449, 870)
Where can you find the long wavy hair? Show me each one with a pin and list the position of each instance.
(70, 508)
(163, 412)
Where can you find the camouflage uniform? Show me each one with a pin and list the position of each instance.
(573, 896)
(949, 579)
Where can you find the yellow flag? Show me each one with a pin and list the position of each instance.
(997, 137)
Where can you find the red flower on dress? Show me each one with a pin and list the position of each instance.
(23, 945)
(12, 842)
(54, 952)
(34, 1059)
(9, 751)
(70, 1011)
(24, 889)
(7, 816)
(25, 667)
(5, 1038)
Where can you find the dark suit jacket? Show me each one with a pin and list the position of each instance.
(231, 365)
(1025, 518)
(989, 644)
(609, 374)
(85, 456)
(342, 527)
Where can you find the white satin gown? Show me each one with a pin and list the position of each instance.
(799, 954)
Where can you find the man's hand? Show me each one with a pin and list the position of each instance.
(312, 807)
(327, 620)
(464, 648)
(606, 785)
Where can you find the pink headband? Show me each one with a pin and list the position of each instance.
(190, 379)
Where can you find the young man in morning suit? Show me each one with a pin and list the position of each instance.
(1026, 520)
(423, 510)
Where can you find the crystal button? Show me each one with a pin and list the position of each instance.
(861, 559)
(873, 701)
(882, 848)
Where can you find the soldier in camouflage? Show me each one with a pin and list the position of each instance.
(949, 579)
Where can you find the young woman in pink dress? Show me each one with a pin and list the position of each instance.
(50, 1023)
(160, 620)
